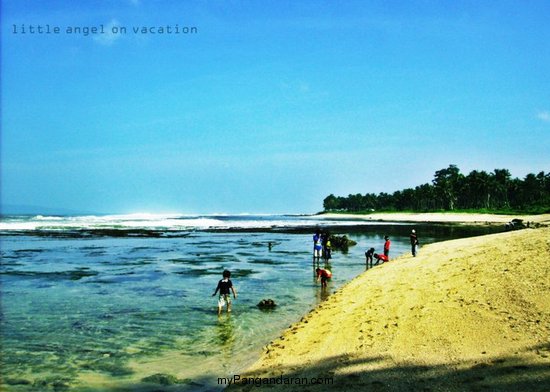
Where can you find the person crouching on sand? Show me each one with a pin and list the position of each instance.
(382, 258)
(224, 286)
(323, 274)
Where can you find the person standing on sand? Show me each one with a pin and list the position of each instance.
(414, 242)
(224, 286)
(387, 245)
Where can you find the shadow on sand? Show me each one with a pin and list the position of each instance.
(528, 370)
(513, 373)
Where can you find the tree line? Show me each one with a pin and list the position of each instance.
(450, 190)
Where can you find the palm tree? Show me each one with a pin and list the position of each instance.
(502, 179)
(330, 203)
(446, 184)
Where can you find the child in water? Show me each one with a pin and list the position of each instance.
(317, 246)
(324, 274)
(224, 286)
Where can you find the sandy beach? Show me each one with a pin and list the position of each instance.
(441, 217)
(468, 314)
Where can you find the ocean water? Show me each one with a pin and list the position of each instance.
(103, 302)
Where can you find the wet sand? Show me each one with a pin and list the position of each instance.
(441, 217)
(468, 314)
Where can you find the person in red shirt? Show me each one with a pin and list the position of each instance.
(382, 258)
(324, 275)
(387, 245)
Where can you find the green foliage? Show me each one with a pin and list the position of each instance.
(450, 190)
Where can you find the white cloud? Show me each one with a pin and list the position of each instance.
(112, 33)
(544, 116)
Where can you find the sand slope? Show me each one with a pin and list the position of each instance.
(468, 314)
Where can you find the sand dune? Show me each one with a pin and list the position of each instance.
(468, 314)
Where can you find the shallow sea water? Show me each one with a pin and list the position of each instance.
(103, 312)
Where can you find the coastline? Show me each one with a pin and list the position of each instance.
(472, 313)
(440, 217)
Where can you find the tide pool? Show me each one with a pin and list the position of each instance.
(96, 312)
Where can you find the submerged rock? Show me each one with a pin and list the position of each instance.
(55, 383)
(267, 304)
(107, 365)
(71, 275)
(163, 379)
(17, 381)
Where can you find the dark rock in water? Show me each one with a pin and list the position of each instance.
(114, 369)
(78, 325)
(17, 381)
(239, 273)
(267, 304)
(72, 275)
(341, 243)
(163, 379)
(29, 251)
(57, 384)
(516, 224)
(197, 272)
(265, 261)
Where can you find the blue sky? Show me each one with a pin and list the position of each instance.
(271, 105)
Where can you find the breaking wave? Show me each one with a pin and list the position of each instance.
(158, 225)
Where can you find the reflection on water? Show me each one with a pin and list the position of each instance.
(112, 311)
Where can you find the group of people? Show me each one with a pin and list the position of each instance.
(370, 255)
(321, 248)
